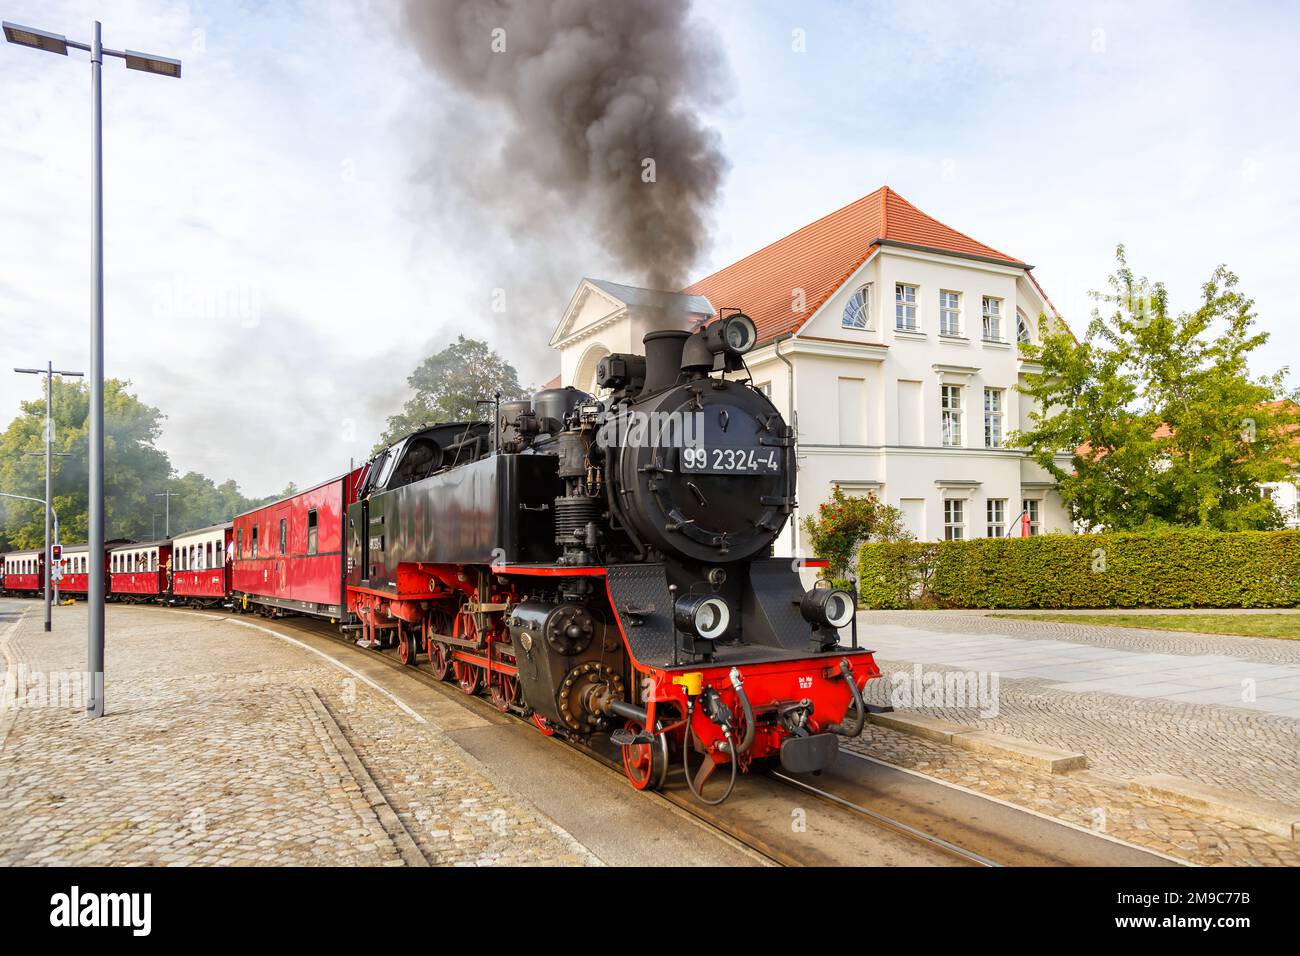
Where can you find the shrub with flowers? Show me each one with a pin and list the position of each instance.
(845, 523)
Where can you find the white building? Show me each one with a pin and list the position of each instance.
(1287, 499)
(893, 339)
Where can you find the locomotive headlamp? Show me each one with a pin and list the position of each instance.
(731, 338)
(827, 607)
(705, 616)
(739, 333)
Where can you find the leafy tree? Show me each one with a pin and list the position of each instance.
(135, 470)
(448, 384)
(1165, 423)
(845, 523)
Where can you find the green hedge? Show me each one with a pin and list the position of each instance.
(1167, 569)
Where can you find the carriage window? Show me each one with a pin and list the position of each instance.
(311, 531)
(153, 561)
(284, 533)
(207, 556)
(239, 543)
(255, 540)
(221, 557)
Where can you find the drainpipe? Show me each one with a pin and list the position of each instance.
(794, 422)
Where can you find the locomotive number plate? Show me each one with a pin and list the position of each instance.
(730, 461)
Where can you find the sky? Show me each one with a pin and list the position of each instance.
(292, 226)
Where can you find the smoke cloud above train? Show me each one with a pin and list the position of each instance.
(599, 102)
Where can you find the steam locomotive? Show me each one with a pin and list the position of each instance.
(603, 567)
(600, 566)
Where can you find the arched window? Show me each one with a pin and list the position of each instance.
(857, 312)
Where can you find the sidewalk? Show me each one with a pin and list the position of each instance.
(1221, 710)
(223, 746)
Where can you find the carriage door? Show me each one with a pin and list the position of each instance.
(363, 536)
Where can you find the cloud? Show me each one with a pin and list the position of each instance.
(281, 177)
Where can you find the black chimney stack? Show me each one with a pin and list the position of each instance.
(663, 358)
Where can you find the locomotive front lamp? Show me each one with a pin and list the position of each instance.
(734, 335)
(705, 616)
(827, 607)
(739, 333)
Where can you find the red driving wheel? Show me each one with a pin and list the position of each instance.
(646, 765)
(543, 725)
(439, 660)
(504, 691)
(468, 676)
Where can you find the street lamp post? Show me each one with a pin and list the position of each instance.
(56, 43)
(167, 511)
(49, 372)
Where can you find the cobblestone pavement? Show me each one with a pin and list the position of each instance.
(213, 752)
(1124, 734)
(1085, 798)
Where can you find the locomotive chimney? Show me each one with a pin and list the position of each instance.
(663, 358)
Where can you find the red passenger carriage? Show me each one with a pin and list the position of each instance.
(139, 572)
(76, 571)
(201, 565)
(288, 555)
(24, 572)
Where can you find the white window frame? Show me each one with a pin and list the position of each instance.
(954, 519)
(1024, 336)
(862, 314)
(906, 307)
(950, 413)
(995, 418)
(949, 312)
(997, 314)
(995, 524)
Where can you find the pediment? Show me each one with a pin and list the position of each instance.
(590, 307)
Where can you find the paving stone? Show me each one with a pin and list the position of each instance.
(210, 754)
(1139, 732)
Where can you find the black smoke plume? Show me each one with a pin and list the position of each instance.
(590, 91)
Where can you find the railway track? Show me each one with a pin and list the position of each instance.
(789, 821)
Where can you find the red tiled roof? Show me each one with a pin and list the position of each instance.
(553, 383)
(821, 256)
